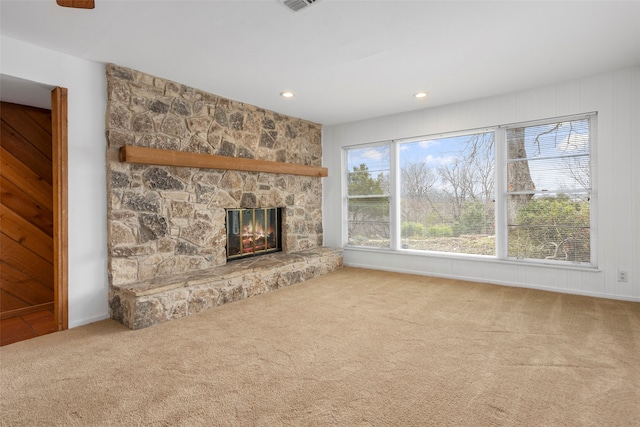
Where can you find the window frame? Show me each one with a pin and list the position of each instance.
(502, 193)
(446, 135)
(500, 167)
(346, 197)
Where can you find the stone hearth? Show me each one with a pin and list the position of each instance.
(158, 300)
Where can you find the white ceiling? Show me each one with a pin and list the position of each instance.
(345, 60)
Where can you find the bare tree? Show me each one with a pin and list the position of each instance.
(458, 177)
(579, 171)
(471, 177)
(482, 158)
(417, 181)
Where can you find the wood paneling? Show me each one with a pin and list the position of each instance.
(22, 231)
(42, 117)
(10, 302)
(26, 310)
(18, 201)
(21, 258)
(27, 325)
(26, 210)
(13, 330)
(28, 181)
(19, 119)
(23, 287)
(21, 149)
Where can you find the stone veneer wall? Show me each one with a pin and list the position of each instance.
(169, 220)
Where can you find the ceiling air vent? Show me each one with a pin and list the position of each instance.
(298, 5)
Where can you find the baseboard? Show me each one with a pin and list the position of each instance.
(500, 283)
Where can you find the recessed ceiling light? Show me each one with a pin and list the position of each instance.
(287, 94)
(420, 95)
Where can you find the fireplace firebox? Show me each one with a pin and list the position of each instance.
(253, 232)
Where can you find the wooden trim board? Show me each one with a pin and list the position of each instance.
(154, 156)
(59, 135)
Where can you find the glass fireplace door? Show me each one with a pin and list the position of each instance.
(252, 231)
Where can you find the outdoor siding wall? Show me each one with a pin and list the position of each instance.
(616, 98)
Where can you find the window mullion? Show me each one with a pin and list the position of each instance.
(593, 171)
(500, 193)
(345, 200)
(394, 195)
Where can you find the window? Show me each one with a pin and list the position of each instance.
(549, 191)
(512, 192)
(368, 196)
(447, 194)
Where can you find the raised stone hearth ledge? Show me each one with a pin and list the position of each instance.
(147, 303)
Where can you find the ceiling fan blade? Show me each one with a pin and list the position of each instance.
(78, 4)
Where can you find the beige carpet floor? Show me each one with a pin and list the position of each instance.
(353, 348)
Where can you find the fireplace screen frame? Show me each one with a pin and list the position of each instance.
(253, 231)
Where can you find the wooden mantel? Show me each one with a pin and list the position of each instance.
(154, 156)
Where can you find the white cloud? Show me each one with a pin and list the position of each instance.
(372, 154)
(428, 143)
(574, 142)
(440, 160)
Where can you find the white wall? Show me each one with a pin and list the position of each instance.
(86, 82)
(616, 98)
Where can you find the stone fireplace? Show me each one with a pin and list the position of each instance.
(168, 220)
